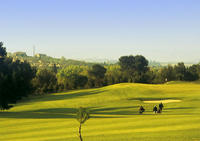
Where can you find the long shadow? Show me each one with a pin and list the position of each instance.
(179, 108)
(130, 110)
(113, 112)
(36, 115)
(95, 112)
(117, 111)
(53, 97)
(50, 114)
(96, 109)
(152, 99)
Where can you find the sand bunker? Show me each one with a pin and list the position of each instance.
(163, 101)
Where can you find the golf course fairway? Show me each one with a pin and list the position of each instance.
(113, 114)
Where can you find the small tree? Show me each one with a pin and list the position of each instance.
(82, 117)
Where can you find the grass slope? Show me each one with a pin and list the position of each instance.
(114, 115)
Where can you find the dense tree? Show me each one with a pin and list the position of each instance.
(127, 63)
(72, 77)
(147, 77)
(133, 63)
(45, 81)
(157, 77)
(180, 71)
(141, 64)
(75, 81)
(168, 74)
(134, 68)
(113, 75)
(191, 73)
(197, 66)
(54, 68)
(3, 52)
(15, 80)
(96, 75)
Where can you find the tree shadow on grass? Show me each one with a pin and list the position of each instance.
(118, 111)
(153, 98)
(61, 96)
(112, 112)
(179, 108)
(36, 115)
(95, 112)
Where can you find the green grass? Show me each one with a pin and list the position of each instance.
(114, 115)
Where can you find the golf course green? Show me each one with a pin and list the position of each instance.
(113, 111)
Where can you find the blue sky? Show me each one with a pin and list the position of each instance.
(161, 30)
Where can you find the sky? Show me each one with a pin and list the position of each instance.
(160, 30)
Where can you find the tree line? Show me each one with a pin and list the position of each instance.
(15, 79)
(19, 79)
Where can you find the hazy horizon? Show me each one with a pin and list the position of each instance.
(163, 31)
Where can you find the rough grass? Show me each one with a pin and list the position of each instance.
(114, 115)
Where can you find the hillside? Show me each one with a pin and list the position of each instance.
(44, 61)
(114, 114)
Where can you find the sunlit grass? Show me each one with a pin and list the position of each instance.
(114, 114)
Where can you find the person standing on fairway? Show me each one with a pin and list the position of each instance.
(141, 110)
(161, 106)
(155, 109)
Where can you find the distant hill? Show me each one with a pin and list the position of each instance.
(44, 61)
(107, 61)
(97, 60)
